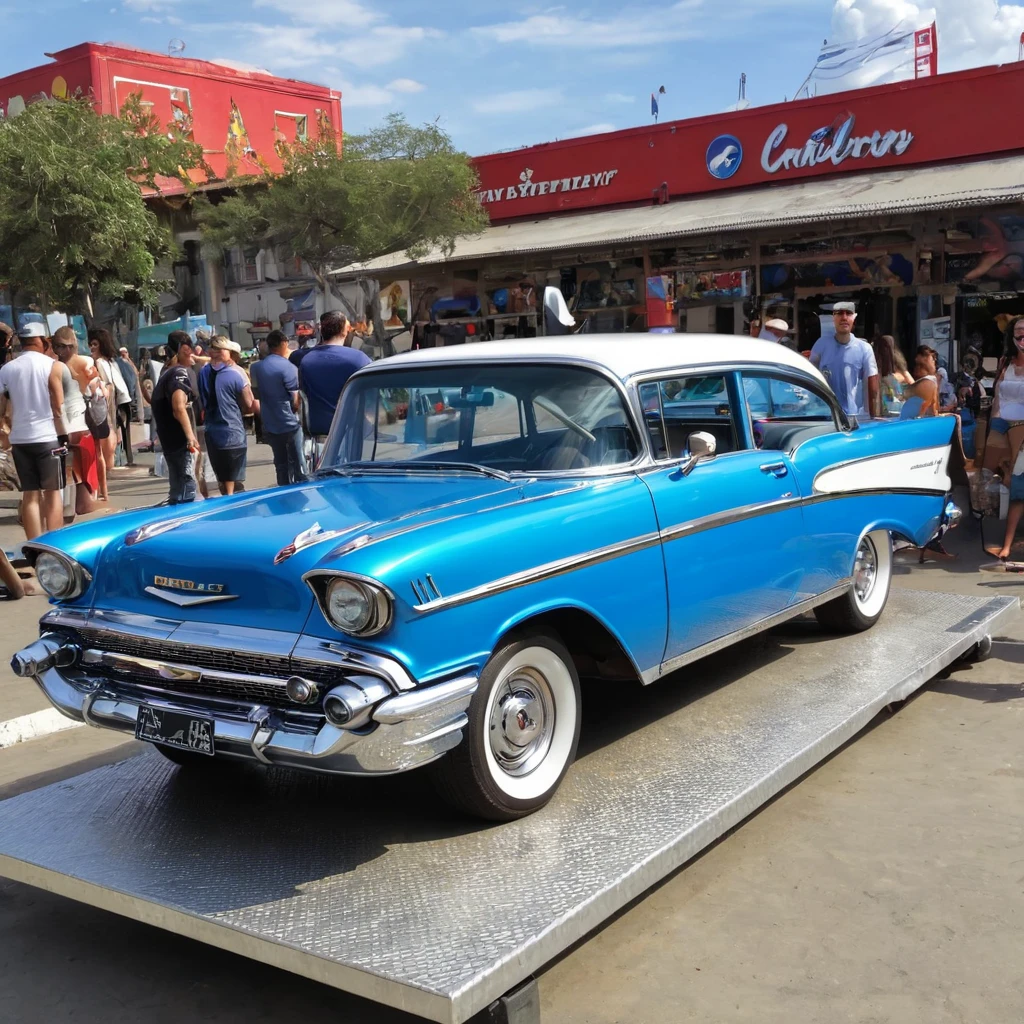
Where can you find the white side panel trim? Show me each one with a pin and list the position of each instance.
(926, 469)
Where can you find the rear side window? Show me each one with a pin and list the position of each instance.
(783, 413)
(680, 406)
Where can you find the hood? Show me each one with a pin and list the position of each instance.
(240, 561)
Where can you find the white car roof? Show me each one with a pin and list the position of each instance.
(624, 355)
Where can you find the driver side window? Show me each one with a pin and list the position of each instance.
(677, 407)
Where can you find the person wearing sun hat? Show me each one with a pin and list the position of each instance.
(777, 330)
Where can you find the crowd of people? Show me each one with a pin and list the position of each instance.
(199, 411)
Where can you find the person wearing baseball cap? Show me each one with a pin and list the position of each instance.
(227, 399)
(848, 364)
(32, 385)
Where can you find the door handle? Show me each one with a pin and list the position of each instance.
(777, 469)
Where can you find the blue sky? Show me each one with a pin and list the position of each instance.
(499, 75)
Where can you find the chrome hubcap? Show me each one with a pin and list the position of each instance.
(522, 722)
(865, 570)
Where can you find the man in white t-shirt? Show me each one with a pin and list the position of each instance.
(31, 390)
(848, 364)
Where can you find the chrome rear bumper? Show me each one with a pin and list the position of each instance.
(405, 730)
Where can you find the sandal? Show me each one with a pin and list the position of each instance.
(995, 551)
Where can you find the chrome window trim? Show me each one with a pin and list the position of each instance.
(528, 359)
(713, 646)
(839, 420)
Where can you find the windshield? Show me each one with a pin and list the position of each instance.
(499, 417)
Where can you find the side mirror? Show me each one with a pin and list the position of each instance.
(701, 446)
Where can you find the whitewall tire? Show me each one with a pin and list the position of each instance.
(524, 727)
(862, 606)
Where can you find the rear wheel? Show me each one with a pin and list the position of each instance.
(862, 606)
(524, 727)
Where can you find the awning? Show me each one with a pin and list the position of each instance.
(910, 190)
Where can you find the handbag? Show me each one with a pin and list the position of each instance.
(97, 413)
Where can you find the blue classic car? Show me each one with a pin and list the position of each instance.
(493, 526)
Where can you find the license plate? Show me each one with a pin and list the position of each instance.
(173, 729)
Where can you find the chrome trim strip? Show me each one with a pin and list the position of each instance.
(544, 572)
(734, 515)
(874, 492)
(144, 533)
(246, 640)
(367, 538)
(186, 600)
(653, 674)
(174, 672)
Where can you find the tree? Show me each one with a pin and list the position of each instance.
(74, 222)
(398, 188)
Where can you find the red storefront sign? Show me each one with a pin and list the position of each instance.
(948, 117)
(239, 117)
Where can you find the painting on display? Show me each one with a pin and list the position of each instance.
(887, 269)
(731, 284)
(989, 249)
(395, 304)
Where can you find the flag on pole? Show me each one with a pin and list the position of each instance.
(654, 106)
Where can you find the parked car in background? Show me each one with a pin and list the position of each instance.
(492, 527)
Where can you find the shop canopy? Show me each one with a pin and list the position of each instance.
(895, 191)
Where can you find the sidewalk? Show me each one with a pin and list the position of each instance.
(24, 712)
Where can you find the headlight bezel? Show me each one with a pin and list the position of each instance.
(380, 601)
(79, 577)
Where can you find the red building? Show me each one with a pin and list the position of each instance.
(238, 116)
(907, 198)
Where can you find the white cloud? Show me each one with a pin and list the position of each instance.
(406, 85)
(348, 13)
(619, 97)
(971, 33)
(365, 96)
(649, 25)
(518, 101)
(592, 129)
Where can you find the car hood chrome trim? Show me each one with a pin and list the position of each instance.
(184, 599)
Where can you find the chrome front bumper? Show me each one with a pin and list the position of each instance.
(405, 730)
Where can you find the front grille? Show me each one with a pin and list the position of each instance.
(215, 660)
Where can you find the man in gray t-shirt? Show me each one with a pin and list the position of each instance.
(848, 364)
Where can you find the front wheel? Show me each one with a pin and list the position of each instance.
(524, 726)
(861, 607)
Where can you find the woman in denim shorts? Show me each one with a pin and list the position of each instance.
(1007, 412)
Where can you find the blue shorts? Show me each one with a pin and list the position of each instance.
(998, 425)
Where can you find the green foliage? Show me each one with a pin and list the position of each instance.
(397, 188)
(73, 220)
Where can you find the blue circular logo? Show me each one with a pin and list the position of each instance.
(725, 155)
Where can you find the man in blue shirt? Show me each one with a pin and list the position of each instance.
(277, 382)
(227, 399)
(325, 370)
(848, 364)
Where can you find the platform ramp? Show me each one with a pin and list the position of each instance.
(369, 886)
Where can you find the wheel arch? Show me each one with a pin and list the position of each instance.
(596, 649)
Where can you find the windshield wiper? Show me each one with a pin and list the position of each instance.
(350, 468)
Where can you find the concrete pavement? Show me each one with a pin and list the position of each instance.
(885, 886)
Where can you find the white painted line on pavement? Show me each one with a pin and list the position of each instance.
(31, 727)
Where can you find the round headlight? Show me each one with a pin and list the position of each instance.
(349, 606)
(56, 576)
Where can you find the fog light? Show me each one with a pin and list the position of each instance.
(350, 706)
(300, 690)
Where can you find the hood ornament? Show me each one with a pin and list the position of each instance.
(316, 534)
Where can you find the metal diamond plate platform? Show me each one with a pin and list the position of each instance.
(368, 886)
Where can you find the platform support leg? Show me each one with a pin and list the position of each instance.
(519, 1006)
